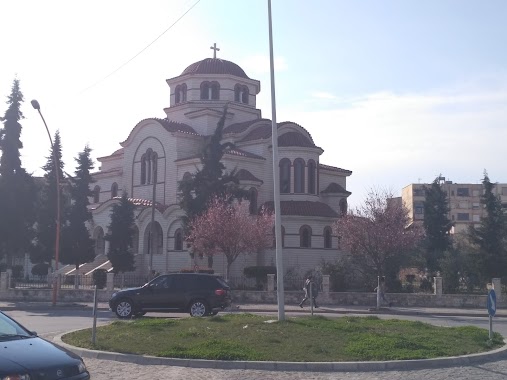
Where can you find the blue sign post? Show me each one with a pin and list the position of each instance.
(491, 309)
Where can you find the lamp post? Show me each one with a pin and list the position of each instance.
(276, 180)
(36, 105)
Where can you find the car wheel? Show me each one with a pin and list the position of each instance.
(124, 309)
(198, 308)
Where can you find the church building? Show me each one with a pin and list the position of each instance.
(313, 195)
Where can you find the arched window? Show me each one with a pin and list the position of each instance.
(154, 159)
(178, 240)
(311, 176)
(252, 196)
(177, 96)
(148, 165)
(299, 176)
(328, 242)
(305, 237)
(283, 237)
(183, 92)
(114, 190)
(285, 176)
(204, 90)
(237, 93)
(100, 245)
(96, 194)
(215, 90)
(245, 95)
(143, 169)
(343, 207)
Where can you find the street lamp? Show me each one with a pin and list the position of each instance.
(36, 105)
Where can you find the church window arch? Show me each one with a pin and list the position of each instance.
(299, 175)
(328, 242)
(305, 237)
(148, 165)
(177, 95)
(178, 240)
(143, 169)
(215, 91)
(237, 93)
(100, 244)
(96, 194)
(285, 167)
(343, 207)
(252, 196)
(184, 92)
(205, 90)
(312, 169)
(245, 95)
(114, 190)
(153, 240)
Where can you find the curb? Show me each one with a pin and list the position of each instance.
(452, 361)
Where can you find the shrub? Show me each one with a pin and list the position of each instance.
(99, 278)
(40, 269)
(203, 270)
(17, 271)
(260, 273)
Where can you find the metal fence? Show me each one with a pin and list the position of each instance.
(129, 280)
(31, 282)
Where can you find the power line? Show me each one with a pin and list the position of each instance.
(140, 52)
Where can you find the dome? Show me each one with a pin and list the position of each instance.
(215, 66)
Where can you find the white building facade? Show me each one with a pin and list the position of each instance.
(313, 195)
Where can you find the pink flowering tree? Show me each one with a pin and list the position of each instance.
(378, 233)
(229, 229)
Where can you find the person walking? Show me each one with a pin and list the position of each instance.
(311, 290)
(381, 288)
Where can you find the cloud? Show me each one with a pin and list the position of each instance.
(392, 140)
(323, 95)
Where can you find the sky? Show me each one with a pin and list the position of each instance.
(397, 91)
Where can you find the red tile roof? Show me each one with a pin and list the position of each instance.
(145, 203)
(245, 175)
(335, 188)
(173, 126)
(304, 208)
(241, 127)
(215, 66)
(294, 139)
(242, 153)
(335, 169)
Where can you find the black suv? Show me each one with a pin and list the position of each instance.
(197, 293)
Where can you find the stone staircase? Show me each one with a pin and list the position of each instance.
(88, 268)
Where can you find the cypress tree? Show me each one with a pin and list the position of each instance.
(77, 245)
(120, 236)
(17, 188)
(437, 225)
(491, 235)
(43, 250)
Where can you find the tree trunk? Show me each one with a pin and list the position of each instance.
(210, 261)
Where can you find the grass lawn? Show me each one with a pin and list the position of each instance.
(249, 337)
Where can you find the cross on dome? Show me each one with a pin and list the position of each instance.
(215, 49)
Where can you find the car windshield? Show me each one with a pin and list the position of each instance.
(10, 330)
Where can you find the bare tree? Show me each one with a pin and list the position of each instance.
(229, 228)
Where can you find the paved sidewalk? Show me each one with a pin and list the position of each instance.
(273, 308)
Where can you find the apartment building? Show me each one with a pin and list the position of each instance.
(464, 201)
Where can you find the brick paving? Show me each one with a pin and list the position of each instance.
(112, 370)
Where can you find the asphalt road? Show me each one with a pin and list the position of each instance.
(49, 323)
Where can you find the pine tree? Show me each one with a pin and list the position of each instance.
(17, 188)
(491, 235)
(77, 246)
(43, 250)
(121, 233)
(437, 225)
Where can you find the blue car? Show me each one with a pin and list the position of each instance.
(25, 356)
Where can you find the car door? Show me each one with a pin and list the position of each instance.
(156, 294)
